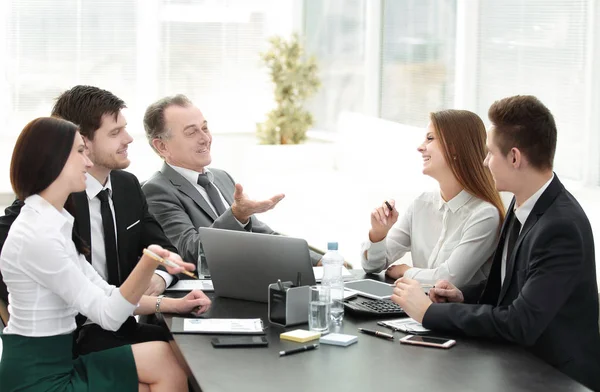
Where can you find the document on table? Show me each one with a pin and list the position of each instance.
(318, 271)
(189, 285)
(218, 326)
(407, 325)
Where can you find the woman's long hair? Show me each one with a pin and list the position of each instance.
(39, 156)
(462, 135)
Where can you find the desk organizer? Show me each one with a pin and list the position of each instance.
(290, 306)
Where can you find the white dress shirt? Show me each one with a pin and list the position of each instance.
(92, 188)
(48, 281)
(448, 240)
(192, 177)
(522, 213)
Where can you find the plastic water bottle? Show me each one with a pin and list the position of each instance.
(333, 263)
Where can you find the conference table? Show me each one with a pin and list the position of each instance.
(371, 364)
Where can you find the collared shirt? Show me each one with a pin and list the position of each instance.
(192, 177)
(448, 240)
(522, 213)
(48, 281)
(92, 188)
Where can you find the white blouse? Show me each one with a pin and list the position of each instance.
(48, 281)
(451, 240)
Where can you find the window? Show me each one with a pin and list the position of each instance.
(210, 52)
(335, 34)
(538, 48)
(418, 59)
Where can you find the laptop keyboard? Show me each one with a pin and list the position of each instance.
(374, 307)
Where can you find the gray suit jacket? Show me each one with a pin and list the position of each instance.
(181, 210)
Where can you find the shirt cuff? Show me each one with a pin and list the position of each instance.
(166, 277)
(374, 247)
(411, 272)
(121, 308)
(242, 225)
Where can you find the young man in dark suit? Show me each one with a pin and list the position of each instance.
(112, 217)
(542, 291)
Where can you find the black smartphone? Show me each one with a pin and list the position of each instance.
(239, 341)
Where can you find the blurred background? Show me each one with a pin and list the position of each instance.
(383, 66)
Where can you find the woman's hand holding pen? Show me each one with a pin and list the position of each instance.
(382, 220)
(174, 257)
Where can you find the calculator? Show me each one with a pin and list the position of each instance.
(373, 308)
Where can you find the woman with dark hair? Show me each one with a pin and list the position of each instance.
(49, 282)
(451, 233)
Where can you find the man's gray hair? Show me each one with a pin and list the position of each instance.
(154, 118)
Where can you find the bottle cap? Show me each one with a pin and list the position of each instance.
(332, 246)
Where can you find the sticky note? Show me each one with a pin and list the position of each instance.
(300, 335)
(338, 339)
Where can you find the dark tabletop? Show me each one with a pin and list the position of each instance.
(372, 363)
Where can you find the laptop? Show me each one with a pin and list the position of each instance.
(242, 265)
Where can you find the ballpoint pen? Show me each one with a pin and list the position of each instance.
(378, 334)
(389, 206)
(280, 285)
(299, 349)
(167, 262)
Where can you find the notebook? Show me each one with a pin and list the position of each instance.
(218, 326)
(406, 325)
(189, 285)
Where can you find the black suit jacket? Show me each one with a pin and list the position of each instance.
(549, 299)
(130, 207)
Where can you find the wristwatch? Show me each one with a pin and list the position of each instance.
(158, 301)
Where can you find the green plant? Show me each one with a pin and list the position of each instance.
(295, 79)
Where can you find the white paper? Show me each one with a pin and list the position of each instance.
(232, 326)
(189, 285)
(318, 271)
(407, 325)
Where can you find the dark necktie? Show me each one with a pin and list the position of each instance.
(513, 234)
(213, 193)
(110, 241)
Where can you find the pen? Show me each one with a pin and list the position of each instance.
(167, 262)
(389, 206)
(298, 350)
(280, 285)
(378, 334)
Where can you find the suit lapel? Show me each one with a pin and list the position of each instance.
(545, 200)
(188, 189)
(493, 284)
(82, 219)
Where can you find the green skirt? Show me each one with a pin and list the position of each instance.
(45, 364)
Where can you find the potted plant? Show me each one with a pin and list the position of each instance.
(295, 79)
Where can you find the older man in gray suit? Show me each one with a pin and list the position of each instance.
(184, 195)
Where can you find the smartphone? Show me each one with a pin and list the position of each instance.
(239, 341)
(429, 341)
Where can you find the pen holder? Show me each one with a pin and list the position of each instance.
(290, 306)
